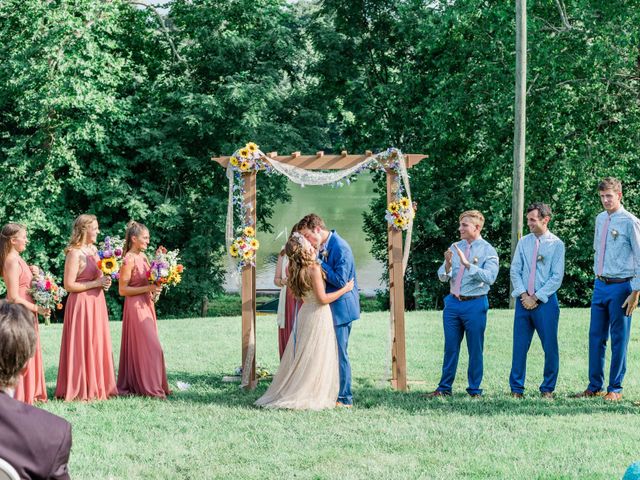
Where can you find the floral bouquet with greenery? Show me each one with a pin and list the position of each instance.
(110, 253)
(46, 293)
(166, 269)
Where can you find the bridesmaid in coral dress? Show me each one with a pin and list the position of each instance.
(142, 369)
(17, 277)
(288, 304)
(86, 360)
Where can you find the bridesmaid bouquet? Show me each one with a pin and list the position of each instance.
(110, 253)
(166, 269)
(46, 293)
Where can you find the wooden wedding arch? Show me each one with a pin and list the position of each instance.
(320, 161)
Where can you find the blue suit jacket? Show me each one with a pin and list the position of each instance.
(339, 266)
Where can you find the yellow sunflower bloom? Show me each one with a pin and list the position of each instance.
(244, 152)
(108, 265)
(234, 161)
(398, 222)
(233, 250)
(249, 231)
(244, 166)
(255, 244)
(404, 202)
(252, 147)
(393, 207)
(247, 255)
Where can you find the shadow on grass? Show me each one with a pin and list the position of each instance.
(211, 389)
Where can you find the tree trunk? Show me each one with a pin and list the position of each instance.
(519, 143)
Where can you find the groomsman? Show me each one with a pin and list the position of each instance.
(615, 294)
(470, 266)
(536, 274)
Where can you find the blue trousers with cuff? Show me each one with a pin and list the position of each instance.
(342, 336)
(608, 319)
(463, 318)
(544, 320)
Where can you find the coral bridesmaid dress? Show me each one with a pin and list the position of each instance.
(31, 386)
(86, 359)
(142, 370)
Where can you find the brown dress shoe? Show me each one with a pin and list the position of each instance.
(613, 397)
(477, 396)
(588, 394)
(547, 395)
(517, 395)
(436, 393)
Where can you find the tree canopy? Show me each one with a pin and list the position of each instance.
(112, 109)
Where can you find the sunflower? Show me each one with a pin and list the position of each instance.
(252, 147)
(108, 265)
(399, 222)
(249, 231)
(233, 250)
(244, 152)
(234, 161)
(393, 207)
(404, 202)
(244, 166)
(247, 255)
(255, 244)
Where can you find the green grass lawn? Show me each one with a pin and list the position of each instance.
(213, 431)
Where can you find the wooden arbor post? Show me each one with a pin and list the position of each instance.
(320, 161)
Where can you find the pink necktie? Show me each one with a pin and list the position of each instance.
(458, 282)
(603, 244)
(531, 287)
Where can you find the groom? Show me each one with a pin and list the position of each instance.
(337, 262)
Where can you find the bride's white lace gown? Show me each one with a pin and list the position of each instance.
(308, 376)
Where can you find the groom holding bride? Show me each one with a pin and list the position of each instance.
(315, 372)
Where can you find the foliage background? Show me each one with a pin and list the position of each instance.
(107, 108)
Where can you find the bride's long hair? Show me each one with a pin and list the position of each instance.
(299, 259)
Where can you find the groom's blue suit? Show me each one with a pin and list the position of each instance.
(338, 264)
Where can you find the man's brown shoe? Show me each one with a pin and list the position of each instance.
(547, 395)
(589, 394)
(517, 395)
(613, 397)
(343, 405)
(436, 393)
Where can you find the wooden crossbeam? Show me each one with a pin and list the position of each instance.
(321, 161)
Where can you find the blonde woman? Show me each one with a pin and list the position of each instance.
(17, 277)
(86, 360)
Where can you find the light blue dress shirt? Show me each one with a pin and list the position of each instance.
(549, 265)
(482, 272)
(622, 251)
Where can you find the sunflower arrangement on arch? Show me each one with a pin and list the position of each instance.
(245, 247)
(400, 214)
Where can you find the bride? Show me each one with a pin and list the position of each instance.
(308, 377)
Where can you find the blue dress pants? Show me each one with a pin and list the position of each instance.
(462, 318)
(544, 320)
(608, 318)
(342, 336)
